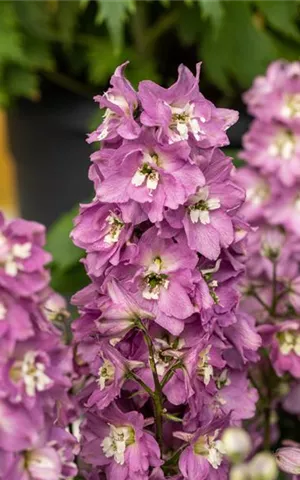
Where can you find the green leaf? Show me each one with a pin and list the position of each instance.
(38, 55)
(59, 244)
(66, 18)
(190, 26)
(282, 16)
(69, 281)
(21, 82)
(10, 37)
(101, 63)
(36, 19)
(240, 50)
(213, 11)
(234, 154)
(114, 13)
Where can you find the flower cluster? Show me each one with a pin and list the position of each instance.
(35, 367)
(160, 344)
(272, 183)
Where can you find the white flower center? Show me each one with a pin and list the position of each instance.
(202, 205)
(291, 106)
(223, 379)
(115, 225)
(204, 369)
(146, 174)
(258, 194)
(109, 114)
(289, 342)
(297, 203)
(14, 253)
(106, 374)
(31, 372)
(116, 443)
(283, 145)
(166, 350)
(154, 280)
(39, 459)
(183, 122)
(213, 450)
(3, 311)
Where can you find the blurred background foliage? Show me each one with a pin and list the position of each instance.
(77, 44)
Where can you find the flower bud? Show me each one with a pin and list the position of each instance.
(237, 444)
(263, 467)
(288, 459)
(239, 472)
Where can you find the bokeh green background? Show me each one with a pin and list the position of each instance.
(77, 44)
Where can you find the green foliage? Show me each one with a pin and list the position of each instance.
(82, 41)
(213, 11)
(239, 51)
(114, 14)
(68, 275)
(59, 244)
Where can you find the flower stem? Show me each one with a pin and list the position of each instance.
(274, 290)
(157, 397)
(138, 380)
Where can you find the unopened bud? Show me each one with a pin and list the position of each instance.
(263, 467)
(239, 472)
(237, 444)
(288, 459)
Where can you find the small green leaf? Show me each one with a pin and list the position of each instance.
(114, 13)
(213, 11)
(240, 51)
(282, 16)
(59, 244)
(101, 63)
(35, 18)
(21, 82)
(10, 37)
(66, 18)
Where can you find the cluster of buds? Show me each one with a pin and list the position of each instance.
(272, 182)
(161, 347)
(35, 366)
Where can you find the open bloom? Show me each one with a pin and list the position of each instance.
(117, 442)
(102, 230)
(155, 176)
(165, 280)
(50, 457)
(110, 370)
(120, 102)
(275, 96)
(22, 258)
(204, 457)
(181, 111)
(274, 149)
(284, 342)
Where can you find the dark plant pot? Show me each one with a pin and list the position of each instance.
(47, 140)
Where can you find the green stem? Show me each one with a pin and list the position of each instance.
(68, 83)
(274, 290)
(164, 23)
(254, 294)
(157, 397)
(138, 380)
(169, 374)
(267, 429)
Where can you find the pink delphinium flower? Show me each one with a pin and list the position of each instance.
(159, 342)
(271, 178)
(35, 365)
